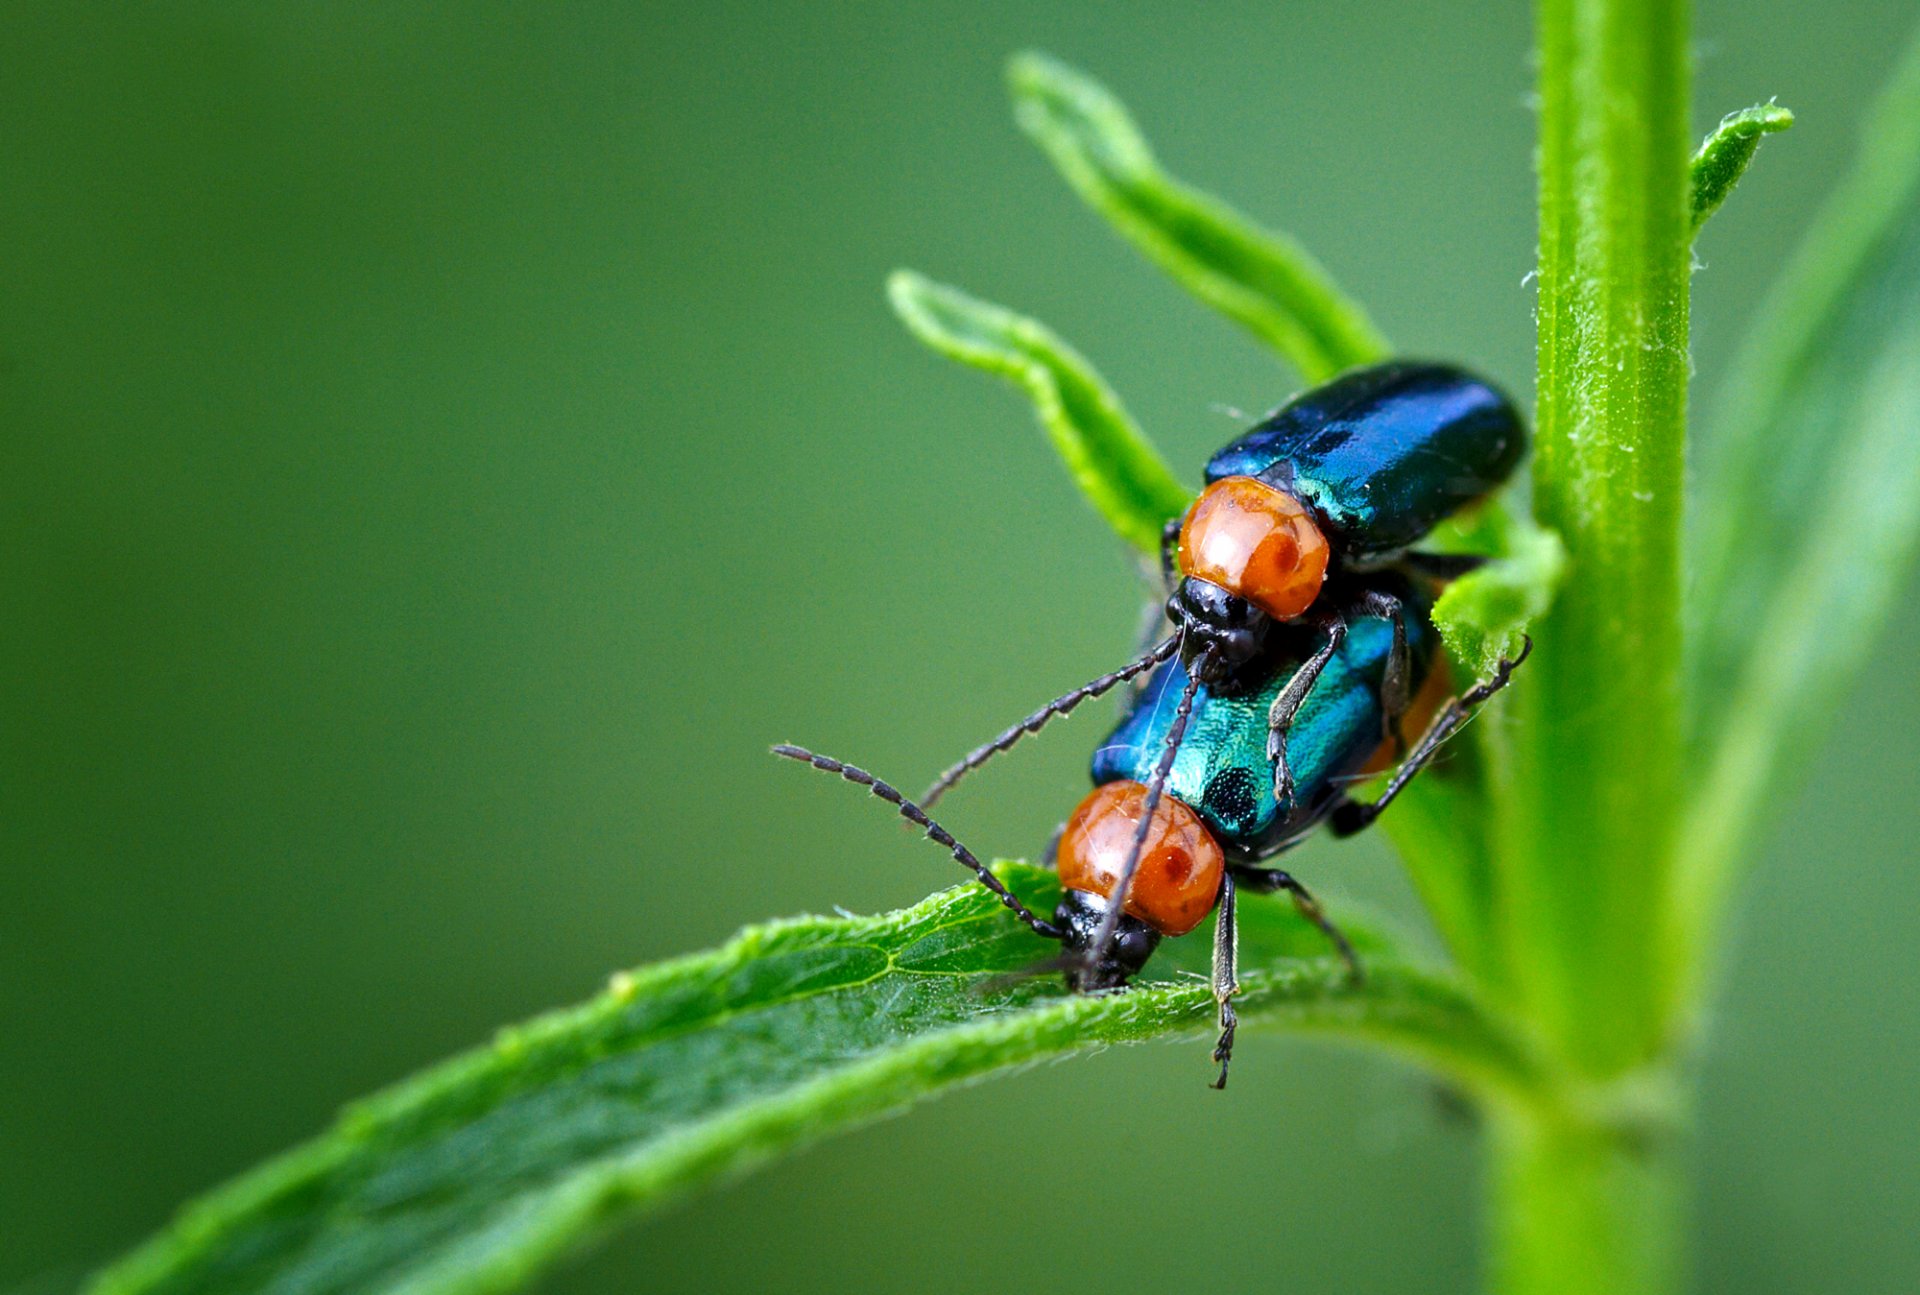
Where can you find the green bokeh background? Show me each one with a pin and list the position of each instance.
(441, 446)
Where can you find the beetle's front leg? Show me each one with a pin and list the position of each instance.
(1226, 980)
(1287, 704)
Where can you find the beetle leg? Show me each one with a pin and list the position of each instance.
(1050, 857)
(1267, 880)
(1287, 704)
(1352, 816)
(1169, 541)
(1226, 981)
(1443, 566)
(1394, 690)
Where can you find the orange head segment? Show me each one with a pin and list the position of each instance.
(1178, 881)
(1257, 542)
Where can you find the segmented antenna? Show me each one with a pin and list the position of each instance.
(1098, 947)
(918, 817)
(1062, 705)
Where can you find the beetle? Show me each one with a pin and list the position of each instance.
(1337, 482)
(1185, 810)
(1301, 634)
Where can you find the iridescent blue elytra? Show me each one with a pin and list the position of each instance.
(1383, 454)
(1223, 770)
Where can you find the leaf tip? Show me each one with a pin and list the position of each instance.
(948, 320)
(1723, 156)
(1035, 76)
(1768, 118)
(1073, 116)
(904, 285)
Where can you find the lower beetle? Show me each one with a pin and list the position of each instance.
(1186, 805)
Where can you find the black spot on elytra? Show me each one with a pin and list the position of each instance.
(1229, 796)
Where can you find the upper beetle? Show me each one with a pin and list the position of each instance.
(1338, 482)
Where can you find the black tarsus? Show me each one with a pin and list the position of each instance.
(1062, 705)
(1352, 816)
(1097, 948)
(937, 834)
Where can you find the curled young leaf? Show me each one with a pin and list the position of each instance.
(1483, 615)
(1724, 154)
(1115, 466)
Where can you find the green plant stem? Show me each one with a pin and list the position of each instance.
(1590, 796)
(1580, 1208)
(1586, 793)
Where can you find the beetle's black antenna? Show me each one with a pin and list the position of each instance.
(918, 817)
(1062, 705)
(1097, 948)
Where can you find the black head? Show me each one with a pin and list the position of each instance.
(1220, 633)
(1078, 917)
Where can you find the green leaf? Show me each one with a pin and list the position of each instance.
(476, 1175)
(1810, 499)
(1483, 615)
(1114, 465)
(1261, 279)
(1724, 154)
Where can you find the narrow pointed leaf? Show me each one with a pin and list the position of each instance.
(1115, 466)
(1723, 156)
(1810, 496)
(477, 1175)
(1261, 279)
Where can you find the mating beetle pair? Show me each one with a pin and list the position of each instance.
(1302, 659)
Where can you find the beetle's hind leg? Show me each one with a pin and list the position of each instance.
(1267, 880)
(1351, 816)
(1395, 689)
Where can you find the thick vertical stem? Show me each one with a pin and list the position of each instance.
(1587, 804)
(1581, 1210)
(1585, 831)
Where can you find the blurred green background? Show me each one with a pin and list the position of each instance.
(445, 444)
